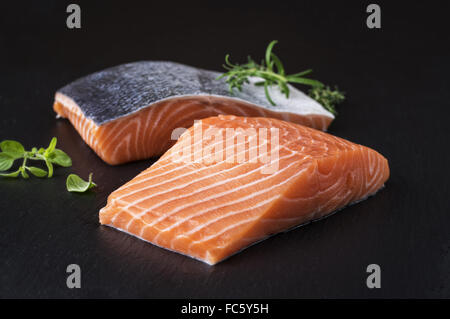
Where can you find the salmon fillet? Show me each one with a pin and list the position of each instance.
(129, 112)
(212, 194)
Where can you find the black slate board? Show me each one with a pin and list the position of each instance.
(397, 84)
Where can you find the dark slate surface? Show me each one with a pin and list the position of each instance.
(397, 85)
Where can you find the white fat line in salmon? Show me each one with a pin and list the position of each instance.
(179, 208)
(175, 136)
(165, 181)
(162, 121)
(232, 213)
(233, 137)
(199, 190)
(169, 180)
(224, 230)
(198, 228)
(156, 175)
(160, 203)
(236, 167)
(173, 179)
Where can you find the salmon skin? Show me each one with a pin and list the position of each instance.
(128, 112)
(209, 207)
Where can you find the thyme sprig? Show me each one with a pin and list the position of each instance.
(327, 97)
(271, 72)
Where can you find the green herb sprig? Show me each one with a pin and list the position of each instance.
(327, 97)
(74, 183)
(272, 72)
(13, 150)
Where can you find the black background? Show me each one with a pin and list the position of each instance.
(396, 79)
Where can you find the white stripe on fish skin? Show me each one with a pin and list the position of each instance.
(213, 221)
(187, 165)
(146, 134)
(194, 230)
(335, 188)
(194, 114)
(126, 139)
(184, 157)
(230, 227)
(146, 198)
(260, 204)
(286, 147)
(220, 172)
(148, 171)
(112, 135)
(182, 185)
(169, 109)
(378, 175)
(160, 203)
(162, 183)
(365, 188)
(203, 225)
(106, 146)
(241, 199)
(336, 195)
(75, 115)
(233, 213)
(190, 172)
(192, 182)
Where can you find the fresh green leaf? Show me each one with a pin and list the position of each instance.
(51, 146)
(278, 63)
(6, 161)
(12, 148)
(60, 158)
(24, 172)
(75, 184)
(269, 54)
(306, 72)
(38, 172)
(327, 97)
(12, 174)
(306, 81)
(49, 167)
(272, 73)
(266, 91)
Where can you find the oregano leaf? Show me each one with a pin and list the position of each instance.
(12, 148)
(6, 161)
(74, 183)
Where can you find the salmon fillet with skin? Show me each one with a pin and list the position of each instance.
(209, 207)
(129, 112)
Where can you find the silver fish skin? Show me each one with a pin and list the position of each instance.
(125, 89)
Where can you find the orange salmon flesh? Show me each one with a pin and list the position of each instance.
(211, 209)
(148, 132)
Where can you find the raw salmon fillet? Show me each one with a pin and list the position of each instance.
(128, 112)
(209, 207)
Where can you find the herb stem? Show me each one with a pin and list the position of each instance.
(272, 73)
(24, 164)
(13, 150)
